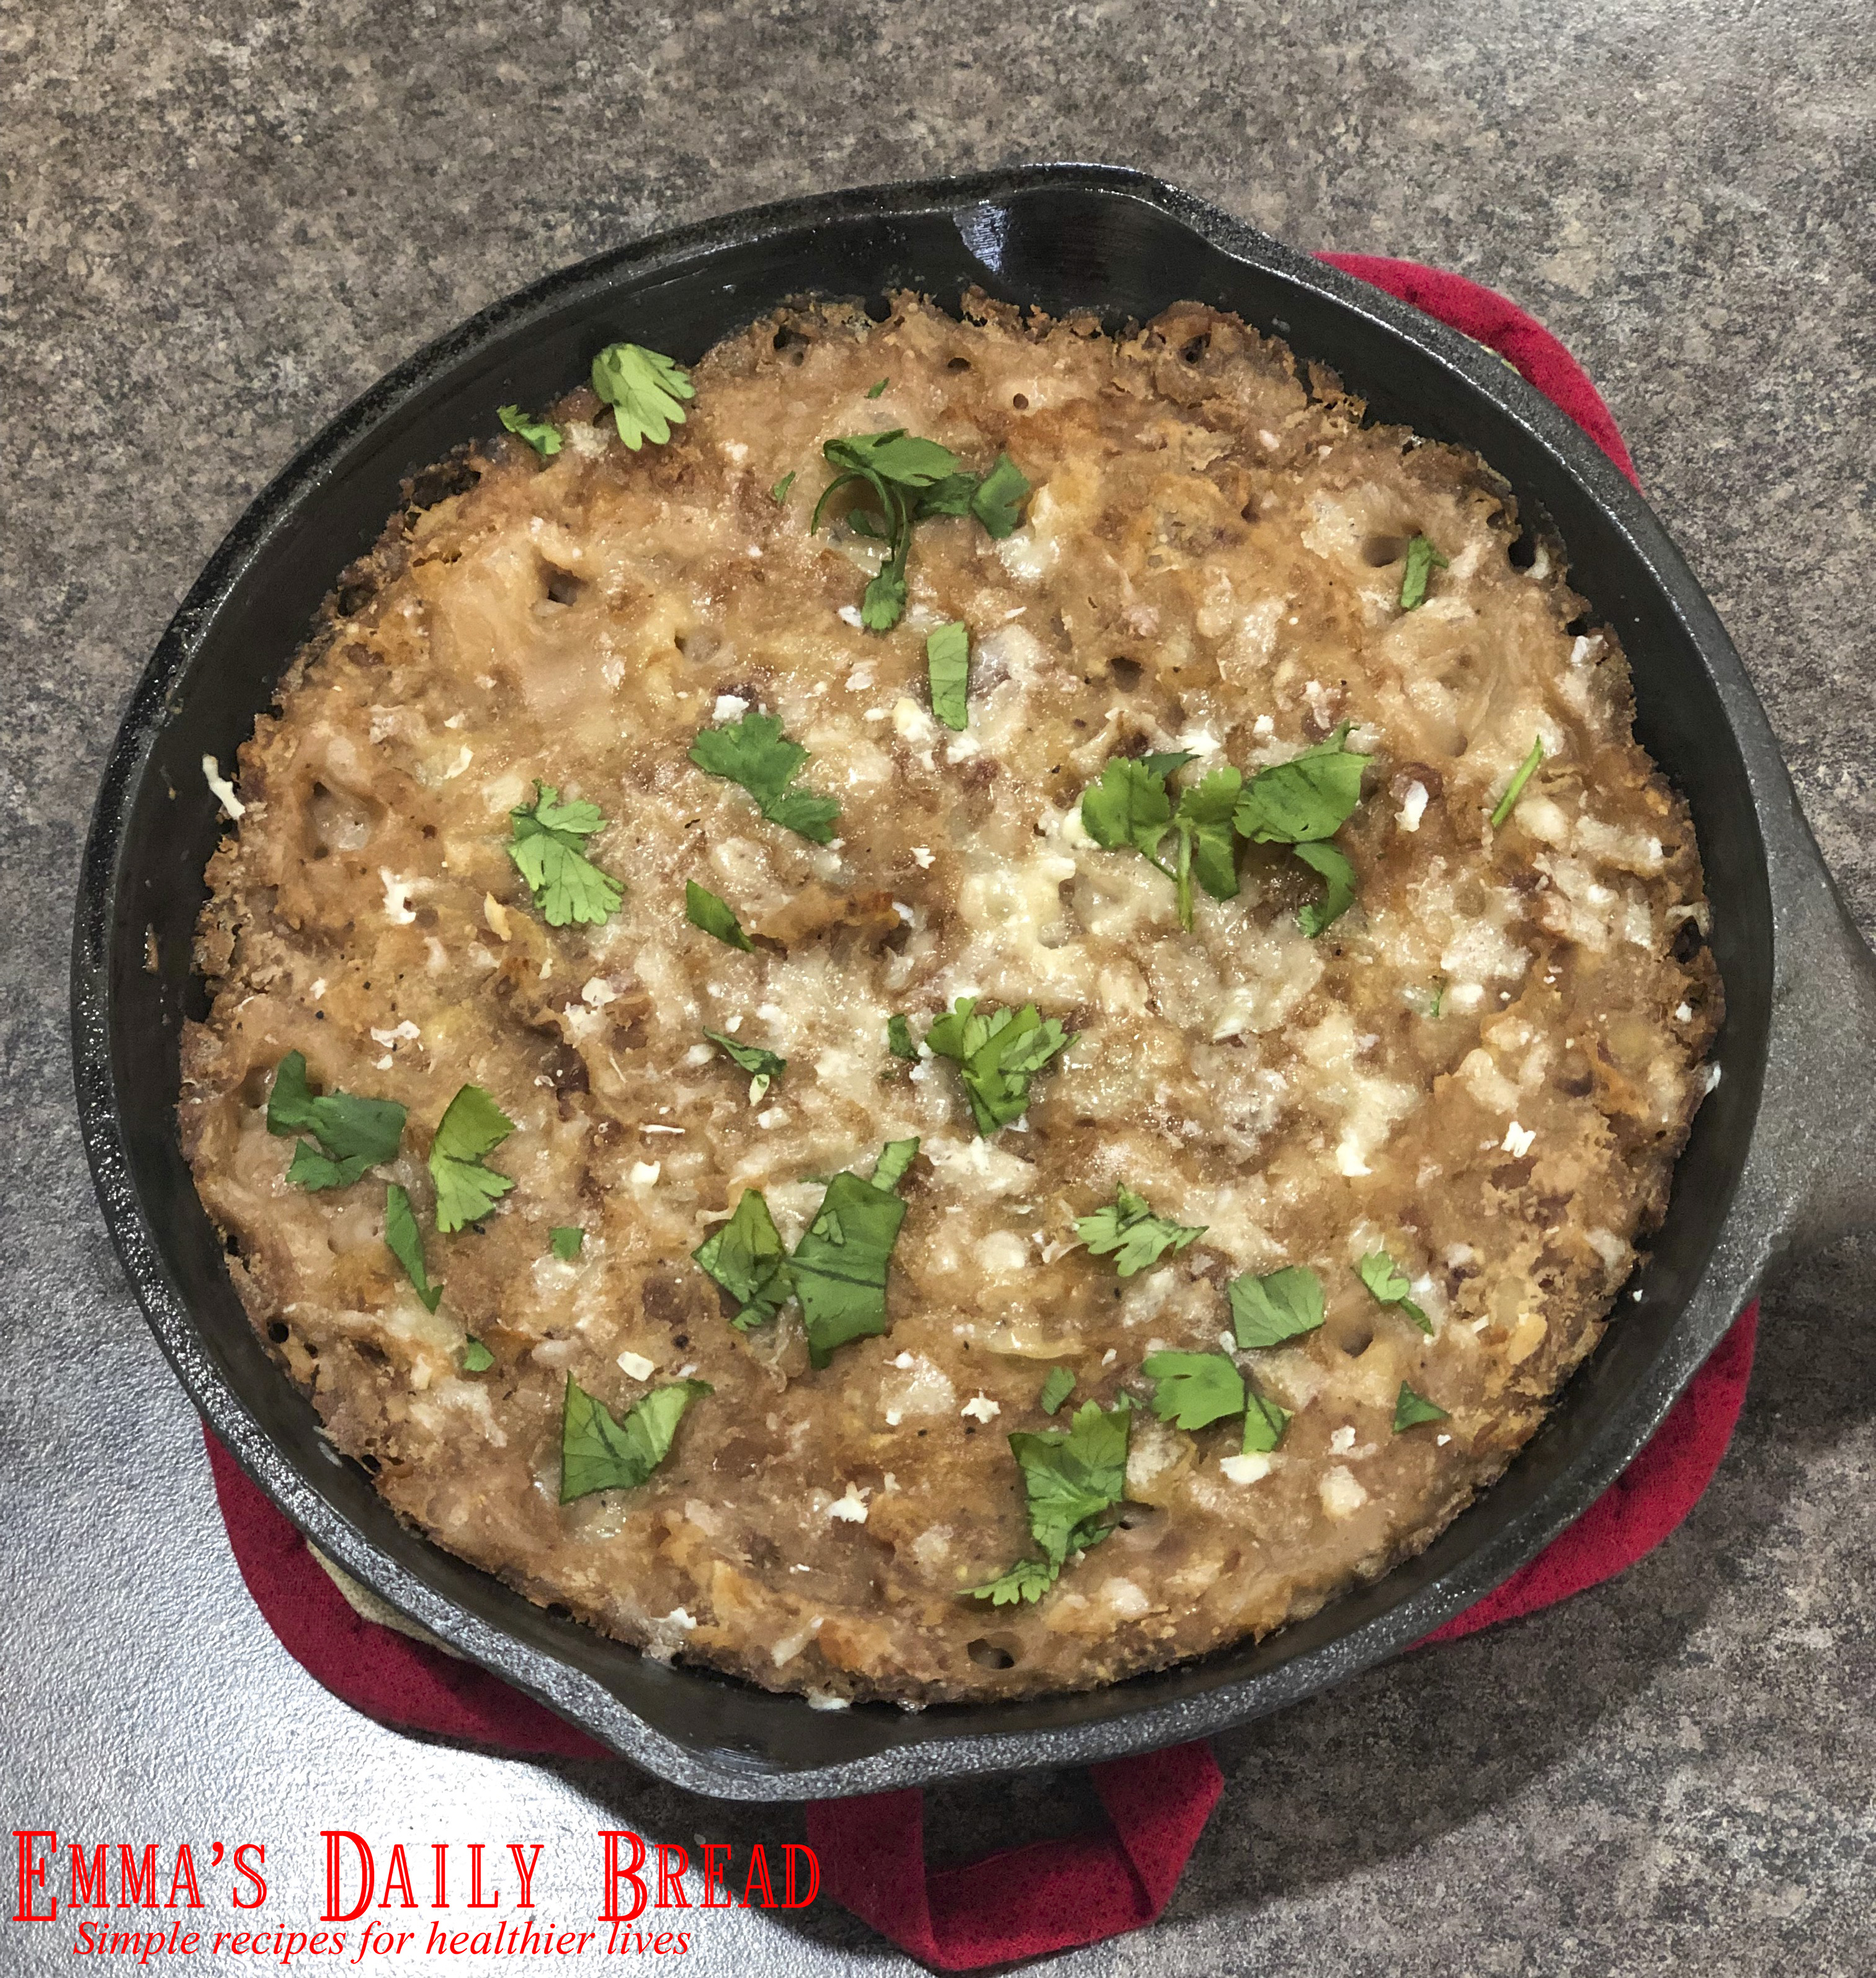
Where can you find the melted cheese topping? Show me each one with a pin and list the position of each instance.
(1487, 1068)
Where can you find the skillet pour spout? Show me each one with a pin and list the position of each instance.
(1782, 1153)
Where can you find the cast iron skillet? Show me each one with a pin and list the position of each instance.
(1774, 1152)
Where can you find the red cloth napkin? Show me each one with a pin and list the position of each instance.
(1031, 1901)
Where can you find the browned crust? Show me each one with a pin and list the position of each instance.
(1175, 421)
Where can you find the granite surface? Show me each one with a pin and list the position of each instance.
(222, 223)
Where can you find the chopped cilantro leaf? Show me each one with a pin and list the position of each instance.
(1194, 1390)
(598, 1452)
(476, 1357)
(882, 602)
(703, 909)
(1310, 797)
(1072, 1478)
(549, 850)
(1128, 806)
(839, 1266)
(1515, 788)
(1131, 1234)
(1337, 891)
(779, 493)
(1056, 1387)
(544, 438)
(644, 390)
(1266, 1311)
(405, 1241)
(1388, 1283)
(466, 1187)
(1264, 1421)
(897, 457)
(756, 754)
(996, 501)
(1206, 849)
(1167, 763)
(1131, 804)
(566, 1240)
(762, 1066)
(874, 391)
(905, 480)
(895, 1159)
(353, 1133)
(1028, 1580)
(899, 1038)
(311, 1169)
(997, 1056)
(745, 1255)
(947, 666)
(1421, 557)
(1411, 1410)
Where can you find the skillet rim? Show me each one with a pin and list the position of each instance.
(1108, 1727)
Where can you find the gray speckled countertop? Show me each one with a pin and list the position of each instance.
(221, 223)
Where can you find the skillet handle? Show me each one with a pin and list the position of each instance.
(1818, 1119)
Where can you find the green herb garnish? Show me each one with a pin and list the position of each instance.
(1411, 1410)
(899, 1038)
(875, 391)
(1129, 1233)
(1073, 1478)
(1421, 557)
(1129, 805)
(1132, 805)
(1264, 1421)
(644, 390)
(353, 1133)
(549, 851)
(779, 493)
(947, 666)
(1267, 1311)
(1194, 1390)
(1310, 797)
(1056, 1387)
(1338, 891)
(405, 1241)
(997, 500)
(997, 1056)
(745, 1257)
(894, 1162)
(467, 1189)
(763, 1066)
(756, 754)
(703, 909)
(838, 1268)
(1028, 1579)
(909, 479)
(1388, 1283)
(1515, 788)
(566, 1240)
(476, 1357)
(598, 1452)
(1296, 803)
(544, 439)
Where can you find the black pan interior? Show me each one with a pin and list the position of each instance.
(1061, 239)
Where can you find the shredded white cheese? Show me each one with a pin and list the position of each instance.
(223, 789)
